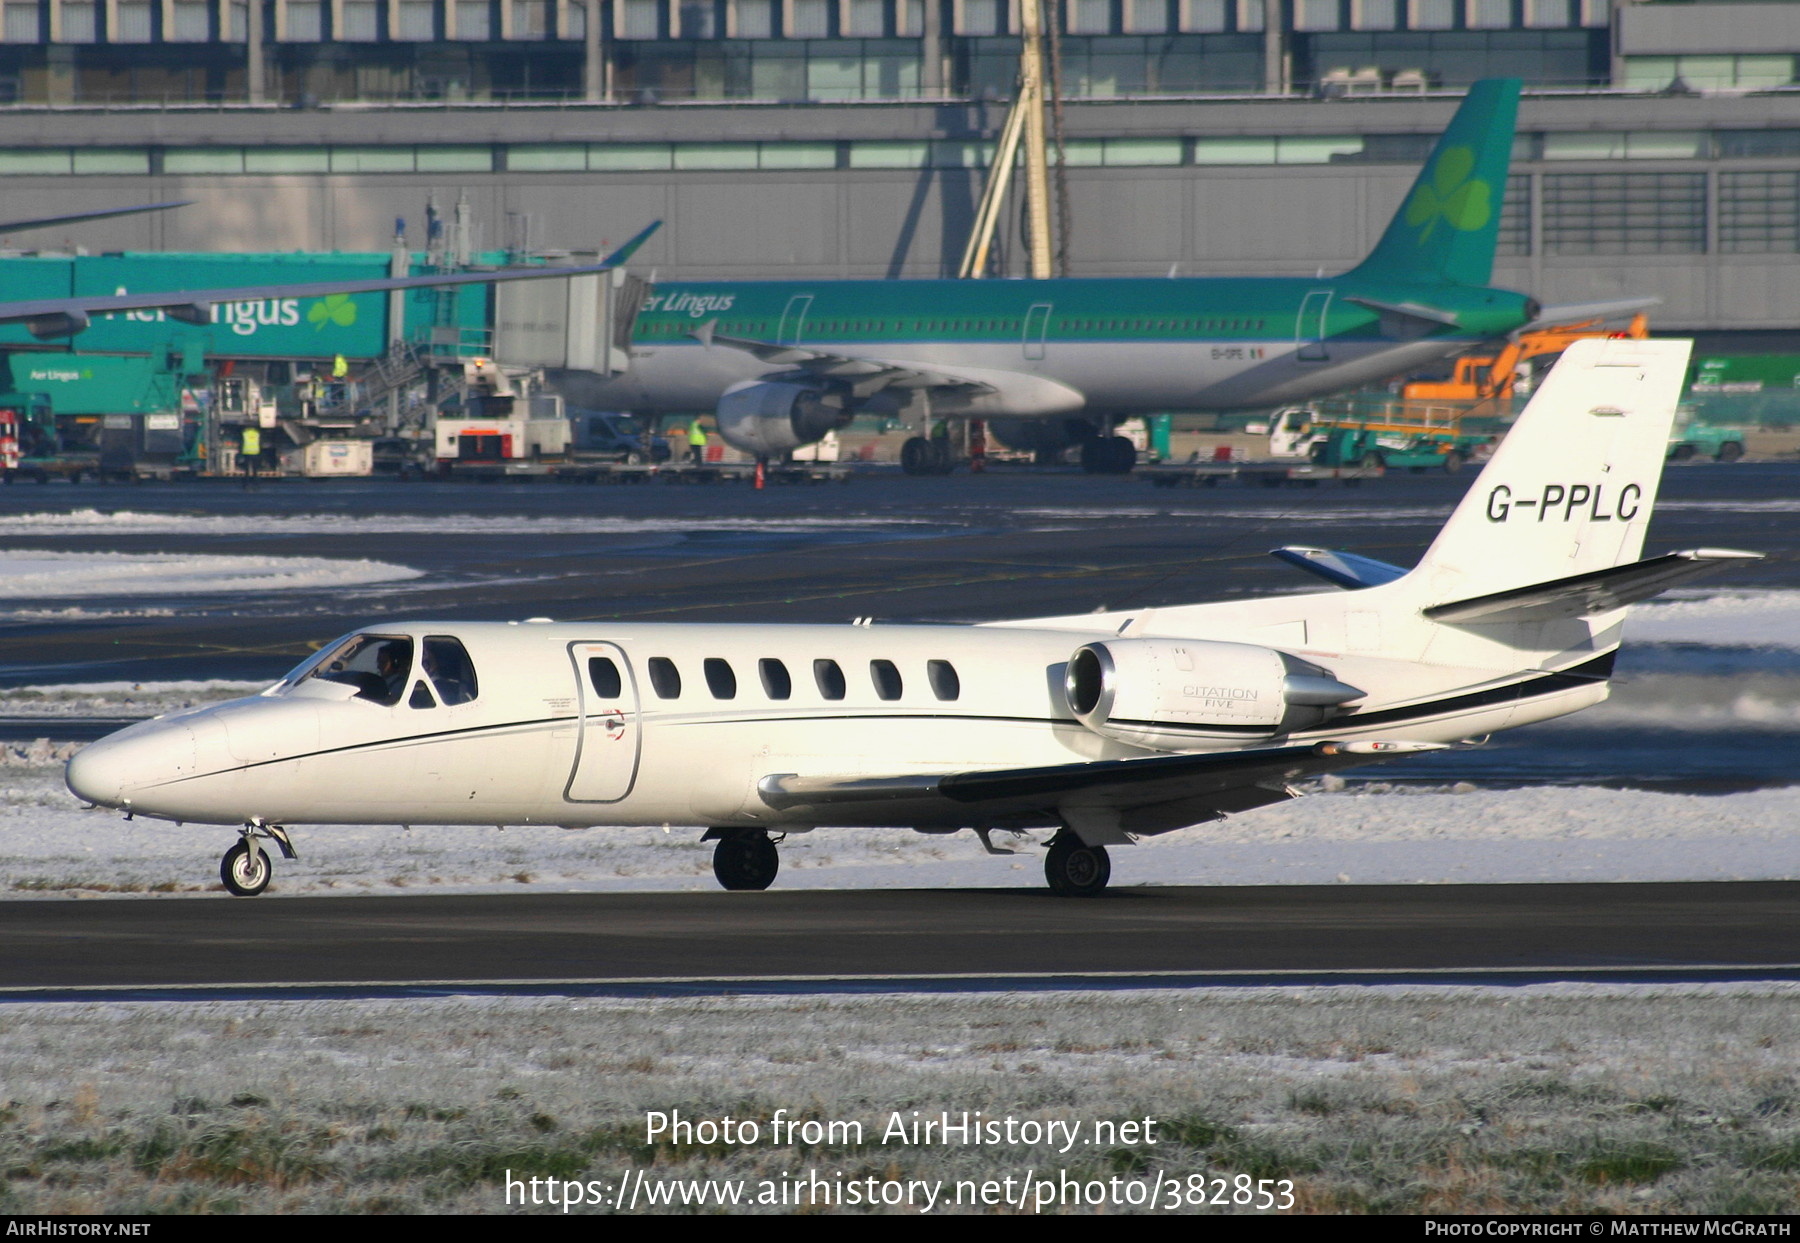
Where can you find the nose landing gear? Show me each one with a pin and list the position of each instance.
(246, 869)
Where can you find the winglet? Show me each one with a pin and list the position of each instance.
(619, 257)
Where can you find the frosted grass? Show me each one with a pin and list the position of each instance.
(1550, 1099)
(78, 575)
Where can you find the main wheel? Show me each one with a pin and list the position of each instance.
(245, 873)
(746, 861)
(943, 457)
(1075, 869)
(1121, 455)
(917, 457)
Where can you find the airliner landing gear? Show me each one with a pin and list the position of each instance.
(744, 858)
(922, 456)
(246, 869)
(1108, 455)
(1075, 869)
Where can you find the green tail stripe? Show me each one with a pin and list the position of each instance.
(1448, 223)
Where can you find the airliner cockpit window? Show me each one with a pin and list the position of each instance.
(377, 665)
(448, 666)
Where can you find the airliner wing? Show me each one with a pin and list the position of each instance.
(60, 316)
(868, 375)
(1150, 795)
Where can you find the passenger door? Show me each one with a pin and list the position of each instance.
(1310, 328)
(1037, 328)
(610, 740)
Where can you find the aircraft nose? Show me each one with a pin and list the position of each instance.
(110, 771)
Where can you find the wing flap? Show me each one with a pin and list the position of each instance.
(1191, 787)
(1584, 595)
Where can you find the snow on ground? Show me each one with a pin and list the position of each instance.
(88, 522)
(1718, 619)
(83, 575)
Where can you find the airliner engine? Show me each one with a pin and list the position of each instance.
(1176, 695)
(770, 418)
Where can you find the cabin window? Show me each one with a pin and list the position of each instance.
(775, 680)
(665, 678)
(720, 680)
(378, 666)
(830, 679)
(421, 696)
(886, 676)
(944, 682)
(603, 676)
(451, 671)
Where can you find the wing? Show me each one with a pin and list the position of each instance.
(1106, 799)
(865, 375)
(62, 316)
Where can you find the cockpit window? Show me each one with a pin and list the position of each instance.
(448, 666)
(377, 665)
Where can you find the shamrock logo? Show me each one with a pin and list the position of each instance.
(336, 308)
(1464, 203)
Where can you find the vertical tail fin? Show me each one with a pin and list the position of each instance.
(1446, 228)
(1570, 489)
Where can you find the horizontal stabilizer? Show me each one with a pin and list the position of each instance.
(1430, 315)
(1584, 595)
(1341, 569)
(1576, 312)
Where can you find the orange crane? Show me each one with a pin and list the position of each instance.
(1480, 378)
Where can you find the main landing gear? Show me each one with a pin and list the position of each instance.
(246, 869)
(744, 858)
(1075, 869)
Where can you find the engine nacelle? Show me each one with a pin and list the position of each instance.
(1175, 695)
(770, 418)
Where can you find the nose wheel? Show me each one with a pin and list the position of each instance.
(246, 869)
(1075, 869)
(744, 858)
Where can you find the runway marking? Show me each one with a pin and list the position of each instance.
(791, 985)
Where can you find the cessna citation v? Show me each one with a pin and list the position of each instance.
(1102, 726)
(784, 362)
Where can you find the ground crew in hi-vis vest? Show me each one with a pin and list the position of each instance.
(696, 443)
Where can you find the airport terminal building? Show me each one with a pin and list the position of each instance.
(1658, 152)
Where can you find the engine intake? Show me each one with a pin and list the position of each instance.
(1173, 695)
(770, 417)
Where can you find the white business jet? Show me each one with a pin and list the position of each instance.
(1103, 726)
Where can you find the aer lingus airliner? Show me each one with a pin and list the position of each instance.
(1103, 727)
(784, 362)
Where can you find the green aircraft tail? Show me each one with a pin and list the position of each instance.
(1446, 228)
